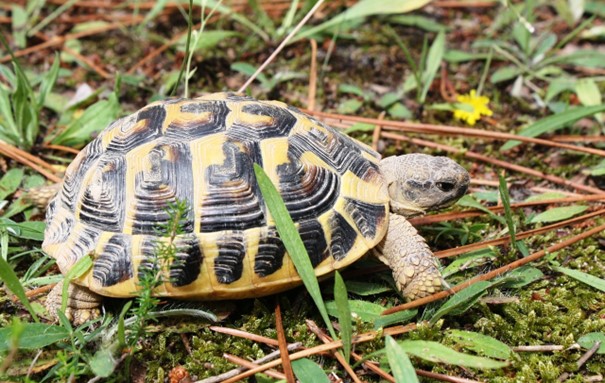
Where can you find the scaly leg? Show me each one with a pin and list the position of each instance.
(415, 268)
(82, 304)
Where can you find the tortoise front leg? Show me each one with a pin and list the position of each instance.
(415, 268)
(82, 304)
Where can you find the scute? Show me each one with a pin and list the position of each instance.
(117, 194)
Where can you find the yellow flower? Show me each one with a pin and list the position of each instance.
(473, 107)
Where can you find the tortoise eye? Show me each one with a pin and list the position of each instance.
(446, 186)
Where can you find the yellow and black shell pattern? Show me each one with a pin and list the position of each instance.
(119, 189)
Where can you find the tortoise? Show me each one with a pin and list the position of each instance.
(344, 200)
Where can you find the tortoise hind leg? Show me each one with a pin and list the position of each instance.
(82, 304)
(415, 268)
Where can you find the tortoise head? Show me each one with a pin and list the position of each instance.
(419, 182)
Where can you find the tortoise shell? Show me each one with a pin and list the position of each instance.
(119, 189)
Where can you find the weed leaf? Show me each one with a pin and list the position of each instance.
(363, 8)
(438, 353)
(481, 344)
(366, 311)
(344, 314)
(590, 280)
(558, 214)
(587, 341)
(10, 182)
(433, 63)
(400, 363)
(102, 363)
(292, 241)
(398, 317)
(11, 281)
(34, 336)
(555, 122)
(308, 371)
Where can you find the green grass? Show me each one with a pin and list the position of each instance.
(538, 84)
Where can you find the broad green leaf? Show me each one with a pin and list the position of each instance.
(363, 8)
(308, 371)
(360, 127)
(366, 311)
(438, 353)
(248, 70)
(102, 363)
(546, 43)
(341, 300)
(521, 277)
(558, 214)
(94, 119)
(388, 99)
(582, 58)
(365, 289)
(598, 169)
(558, 85)
(427, 23)
(34, 336)
(590, 280)
(292, 241)
(487, 196)
(19, 25)
(456, 56)
(588, 340)
(207, 40)
(505, 73)
(398, 317)
(469, 201)
(349, 106)
(544, 197)
(554, 122)
(352, 89)
(25, 230)
(400, 363)
(398, 110)
(433, 63)
(11, 281)
(522, 37)
(463, 300)
(89, 25)
(481, 344)
(48, 81)
(10, 182)
(589, 94)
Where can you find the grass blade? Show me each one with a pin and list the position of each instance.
(344, 314)
(555, 122)
(508, 212)
(400, 363)
(292, 241)
(79, 268)
(463, 300)
(590, 280)
(11, 281)
(433, 63)
(438, 353)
